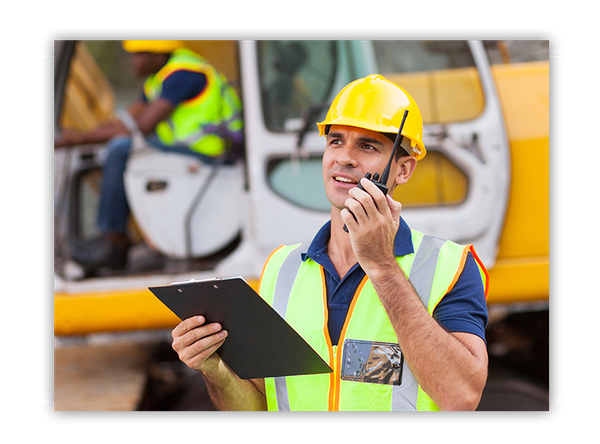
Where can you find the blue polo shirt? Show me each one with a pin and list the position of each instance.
(181, 85)
(463, 309)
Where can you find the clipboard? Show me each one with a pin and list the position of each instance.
(260, 343)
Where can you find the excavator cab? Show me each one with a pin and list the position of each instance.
(184, 208)
(178, 215)
(189, 216)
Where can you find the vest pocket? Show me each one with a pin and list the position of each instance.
(371, 361)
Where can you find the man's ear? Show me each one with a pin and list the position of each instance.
(407, 167)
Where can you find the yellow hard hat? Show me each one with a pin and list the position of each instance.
(376, 104)
(158, 46)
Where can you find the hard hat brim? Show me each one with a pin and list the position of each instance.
(377, 104)
(155, 46)
(418, 148)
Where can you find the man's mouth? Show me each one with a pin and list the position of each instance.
(343, 179)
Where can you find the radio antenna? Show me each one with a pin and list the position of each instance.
(381, 181)
(399, 137)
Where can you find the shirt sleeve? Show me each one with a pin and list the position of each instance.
(183, 85)
(464, 308)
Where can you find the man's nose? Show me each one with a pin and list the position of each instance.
(347, 156)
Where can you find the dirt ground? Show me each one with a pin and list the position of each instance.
(107, 377)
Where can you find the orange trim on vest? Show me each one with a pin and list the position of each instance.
(459, 270)
(335, 377)
(485, 272)
(266, 262)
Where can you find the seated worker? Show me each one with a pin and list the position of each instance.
(414, 303)
(186, 106)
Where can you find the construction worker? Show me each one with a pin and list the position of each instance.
(399, 315)
(186, 106)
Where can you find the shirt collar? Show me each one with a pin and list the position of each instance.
(402, 242)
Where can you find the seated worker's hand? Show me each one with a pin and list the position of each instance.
(68, 137)
(196, 342)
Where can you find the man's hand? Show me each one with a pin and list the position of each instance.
(373, 228)
(69, 137)
(196, 342)
(147, 116)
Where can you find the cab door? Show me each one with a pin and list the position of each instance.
(287, 87)
(459, 191)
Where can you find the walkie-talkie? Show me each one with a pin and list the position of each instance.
(380, 181)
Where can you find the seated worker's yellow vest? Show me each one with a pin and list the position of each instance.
(369, 372)
(217, 104)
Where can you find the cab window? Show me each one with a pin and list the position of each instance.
(442, 78)
(294, 74)
(440, 75)
(299, 181)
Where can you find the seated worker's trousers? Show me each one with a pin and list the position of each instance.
(114, 209)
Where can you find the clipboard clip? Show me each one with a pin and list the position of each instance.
(195, 280)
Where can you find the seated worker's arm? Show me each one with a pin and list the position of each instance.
(196, 343)
(146, 115)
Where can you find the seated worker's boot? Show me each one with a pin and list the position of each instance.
(109, 251)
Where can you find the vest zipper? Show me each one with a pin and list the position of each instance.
(333, 403)
(335, 399)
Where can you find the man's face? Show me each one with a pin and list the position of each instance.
(349, 154)
(145, 63)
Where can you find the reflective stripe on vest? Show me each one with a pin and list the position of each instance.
(431, 287)
(287, 277)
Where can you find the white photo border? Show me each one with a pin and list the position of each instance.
(565, 358)
(39, 315)
(563, 398)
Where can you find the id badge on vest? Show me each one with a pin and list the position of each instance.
(372, 361)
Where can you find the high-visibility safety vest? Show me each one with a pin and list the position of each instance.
(217, 104)
(369, 371)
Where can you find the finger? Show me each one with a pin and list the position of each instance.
(395, 207)
(209, 341)
(188, 335)
(186, 325)
(198, 361)
(357, 209)
(202, 348)
(376, 195)
(348, 219)
(196, 334)
(366, 202)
